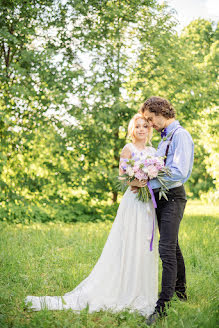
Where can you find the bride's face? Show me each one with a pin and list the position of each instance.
(141, 129)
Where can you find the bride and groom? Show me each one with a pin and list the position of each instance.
(126, 274)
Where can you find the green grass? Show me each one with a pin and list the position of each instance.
(52, 259)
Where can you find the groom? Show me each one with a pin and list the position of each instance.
(178, 147)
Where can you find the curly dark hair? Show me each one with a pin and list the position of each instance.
(158, 106)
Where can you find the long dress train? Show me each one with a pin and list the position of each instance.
(126, 274)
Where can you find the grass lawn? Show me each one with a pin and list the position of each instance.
(52, 259)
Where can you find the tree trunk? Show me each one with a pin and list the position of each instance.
(115, 195)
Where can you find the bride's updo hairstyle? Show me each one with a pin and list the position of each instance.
(131, 128)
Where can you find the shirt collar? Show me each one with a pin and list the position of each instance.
(172, 126)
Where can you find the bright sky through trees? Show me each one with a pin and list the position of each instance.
(188, 10)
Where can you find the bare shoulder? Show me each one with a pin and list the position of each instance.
(126, 151)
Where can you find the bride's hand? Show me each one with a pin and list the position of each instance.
(134, 189)
(137, 183)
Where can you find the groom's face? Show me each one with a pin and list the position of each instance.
(158, 122)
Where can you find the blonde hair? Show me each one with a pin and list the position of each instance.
(131, 128)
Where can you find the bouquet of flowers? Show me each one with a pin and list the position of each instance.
(144, 169)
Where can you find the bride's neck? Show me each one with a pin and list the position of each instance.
(140, 144)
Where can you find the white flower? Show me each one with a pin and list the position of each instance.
(130, 171)
(152, 171)
(137, 163)
(145, 169)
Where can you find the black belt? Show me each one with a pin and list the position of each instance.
(158, 189)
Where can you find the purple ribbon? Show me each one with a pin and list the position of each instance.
(152, 195)
(155, 206)
(152, 238)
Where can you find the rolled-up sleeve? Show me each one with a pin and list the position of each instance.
(181, 161)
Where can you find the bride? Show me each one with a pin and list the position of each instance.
(126, 274)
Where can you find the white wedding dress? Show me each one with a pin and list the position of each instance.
(126, 274)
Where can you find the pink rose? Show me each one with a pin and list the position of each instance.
(140, 175)
(152, 171)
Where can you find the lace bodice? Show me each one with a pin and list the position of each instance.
(147, 151)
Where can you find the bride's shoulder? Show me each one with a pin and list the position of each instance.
(128, 146)
(126, 150)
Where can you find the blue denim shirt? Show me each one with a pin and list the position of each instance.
(179, 159)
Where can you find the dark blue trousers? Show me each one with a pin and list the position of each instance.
(169, 215)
